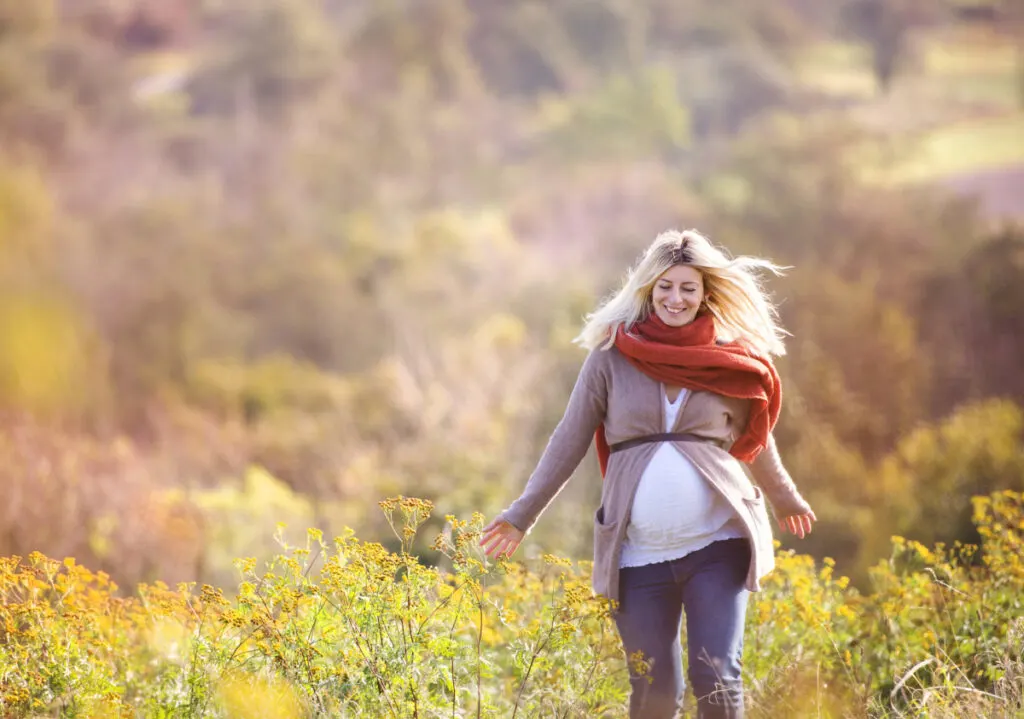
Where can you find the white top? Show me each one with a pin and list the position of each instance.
(675, 511)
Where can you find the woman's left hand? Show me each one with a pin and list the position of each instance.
(798, 524)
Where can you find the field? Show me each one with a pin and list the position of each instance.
(954, 111)
(346, 628)
(266, 263)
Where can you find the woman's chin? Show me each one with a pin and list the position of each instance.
(679, 320)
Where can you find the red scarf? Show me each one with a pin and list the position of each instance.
(688, 357)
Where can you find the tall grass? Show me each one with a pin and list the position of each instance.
(347, 628)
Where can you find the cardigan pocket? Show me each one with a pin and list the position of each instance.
(758, 496)
(605, 559)
(603, 530)
(759, 521)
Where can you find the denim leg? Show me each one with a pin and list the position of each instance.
(649, 618)
(715, 597)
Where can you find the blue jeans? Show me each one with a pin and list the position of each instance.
(710, 585)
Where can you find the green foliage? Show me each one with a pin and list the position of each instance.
(630, 117)
(54, 83)
(45, 361)
(272, 55)
(962, 147)
(48, 353)
(920, 490)
(929, 479)
(978, 343)
(348, 628)
(271, 386)
(242, 519)
(26, 229)
(857, 360)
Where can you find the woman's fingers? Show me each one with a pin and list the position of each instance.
(506, 548)
(492, 547)
(489, 541)
(798, 524)
(499, 539)
(502, 546)
(496, 528)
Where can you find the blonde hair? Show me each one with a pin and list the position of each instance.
(734, 294)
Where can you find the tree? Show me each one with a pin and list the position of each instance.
(56, 82)
(927, 483)
(47, 358)
(885, 26)
(972, 321)
(637, 116)
(1015, 10)
(855, 360)
(269, 54)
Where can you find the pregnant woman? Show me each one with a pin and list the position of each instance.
(680, 394)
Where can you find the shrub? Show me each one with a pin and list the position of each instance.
(347, 628)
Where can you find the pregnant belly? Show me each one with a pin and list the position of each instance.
(673, 502)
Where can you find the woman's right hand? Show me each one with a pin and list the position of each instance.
(500, 539)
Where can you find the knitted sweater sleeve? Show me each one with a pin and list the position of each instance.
(566, 447)
(778, 486)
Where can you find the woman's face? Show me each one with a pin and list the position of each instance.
(677, 295)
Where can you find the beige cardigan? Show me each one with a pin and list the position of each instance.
(611, 390)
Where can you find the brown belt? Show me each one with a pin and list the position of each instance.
(663, 437)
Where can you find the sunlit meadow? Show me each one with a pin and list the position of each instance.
(347, 628)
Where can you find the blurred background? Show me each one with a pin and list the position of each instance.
(271, 261)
